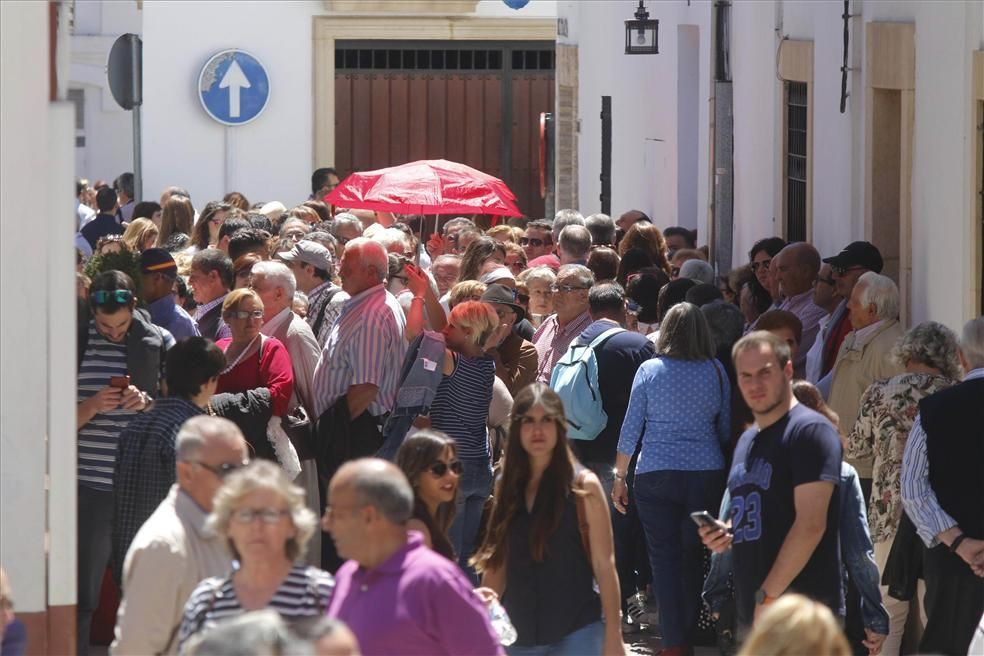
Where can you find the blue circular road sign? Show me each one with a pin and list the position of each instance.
(234, 87)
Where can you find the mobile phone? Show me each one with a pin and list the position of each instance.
(704, 518)
(121, 382)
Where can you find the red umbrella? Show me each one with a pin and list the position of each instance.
(433, 186)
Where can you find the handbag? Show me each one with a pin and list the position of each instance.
(297, 425)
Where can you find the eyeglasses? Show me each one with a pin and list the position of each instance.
(121, 296)
(567, 289)
(265, 515)
(222, 470)
(243, 314)
(826, 281)
(439, 468)
(840, 271)
(764, 265)
(529, 241)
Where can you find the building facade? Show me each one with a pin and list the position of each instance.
(899, 165)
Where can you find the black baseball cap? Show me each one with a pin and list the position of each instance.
(504, 296)
(158, 260)
(858, 253)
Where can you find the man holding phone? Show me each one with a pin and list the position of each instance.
(783, 528)
(121, 357)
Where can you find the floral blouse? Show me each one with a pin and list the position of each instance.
(888, 410)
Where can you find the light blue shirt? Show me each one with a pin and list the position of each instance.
(918, 497)
(681, 409)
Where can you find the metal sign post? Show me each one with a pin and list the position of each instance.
(125, 73)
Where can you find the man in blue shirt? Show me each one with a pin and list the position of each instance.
(783, 525)
(159, 271)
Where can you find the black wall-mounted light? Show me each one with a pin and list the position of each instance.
(642, 34)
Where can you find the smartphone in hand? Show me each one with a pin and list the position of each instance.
(704, 518)
(121, 382)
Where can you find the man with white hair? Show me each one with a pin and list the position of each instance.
(865, 355)
(393, 240)
(346, 227)
(943, 494)
(313, 265)
(396, 595)
(172, 552)
(361, 359)
(276, 285)
(570, 318)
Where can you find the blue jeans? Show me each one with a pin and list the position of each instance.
(665, 500)
(586, 641)
(474, 489)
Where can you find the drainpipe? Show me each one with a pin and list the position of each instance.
(722, 138)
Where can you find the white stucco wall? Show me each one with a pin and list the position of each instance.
(644, 108)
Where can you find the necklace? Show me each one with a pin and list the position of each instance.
(242, 354)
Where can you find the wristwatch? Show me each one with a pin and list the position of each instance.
(761, 598)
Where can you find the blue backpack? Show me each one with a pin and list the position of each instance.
(575, 379)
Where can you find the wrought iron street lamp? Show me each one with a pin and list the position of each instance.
(642, 34)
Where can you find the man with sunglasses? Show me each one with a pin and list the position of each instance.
(536, 241)
(172, 552)
(856, 259)
(120, 365)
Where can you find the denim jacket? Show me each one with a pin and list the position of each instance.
(422, 371)
(857, 555)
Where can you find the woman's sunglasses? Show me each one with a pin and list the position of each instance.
(439, 469)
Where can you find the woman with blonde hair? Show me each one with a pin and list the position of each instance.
(538, 282)
(140, 235)
(466, 290)
(503, 233)
(267, 525)
(461, 404)
(795, 625)
(177, 215)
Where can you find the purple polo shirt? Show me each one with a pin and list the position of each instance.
(416, 602)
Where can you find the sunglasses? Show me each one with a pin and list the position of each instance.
(265, 515)
(222, 470)
(243, 314)
(527, 241)
(121, 296)
(840, 271)
(439, 468)
(764, 265)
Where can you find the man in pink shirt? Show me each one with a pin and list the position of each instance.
(396, 595)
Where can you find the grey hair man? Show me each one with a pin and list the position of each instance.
(255, 633)
(866, 355)
(602, 229)
(172, 552)
(943, 494)
(574, 245)
(365, 348)
(275, 285)
(313, 265)
(445, 269)
(562, 219)
(346, 227)
(697, 270)
(571, 317)
(418, 601)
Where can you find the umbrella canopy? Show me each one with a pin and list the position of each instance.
(433, 186)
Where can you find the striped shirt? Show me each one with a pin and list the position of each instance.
(461, 405)
(552, 341)
(365, 346)
(918, 497)
(222, 330)
(304, 593)
(321, 306)
(98, 438)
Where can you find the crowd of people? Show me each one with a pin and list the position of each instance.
(509, 432)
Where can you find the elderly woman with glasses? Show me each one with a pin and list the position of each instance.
(263, 517)
(887, 412)
(255, 361)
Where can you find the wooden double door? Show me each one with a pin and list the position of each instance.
(478, 103)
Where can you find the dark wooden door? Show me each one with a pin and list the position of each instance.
(478, 104)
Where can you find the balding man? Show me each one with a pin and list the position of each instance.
(574, 245)
(796, 268)
(396, 595)
(172, 552)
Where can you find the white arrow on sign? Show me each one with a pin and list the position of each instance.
(234, 80)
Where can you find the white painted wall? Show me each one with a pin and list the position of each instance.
(944, 136)
(644, 108)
